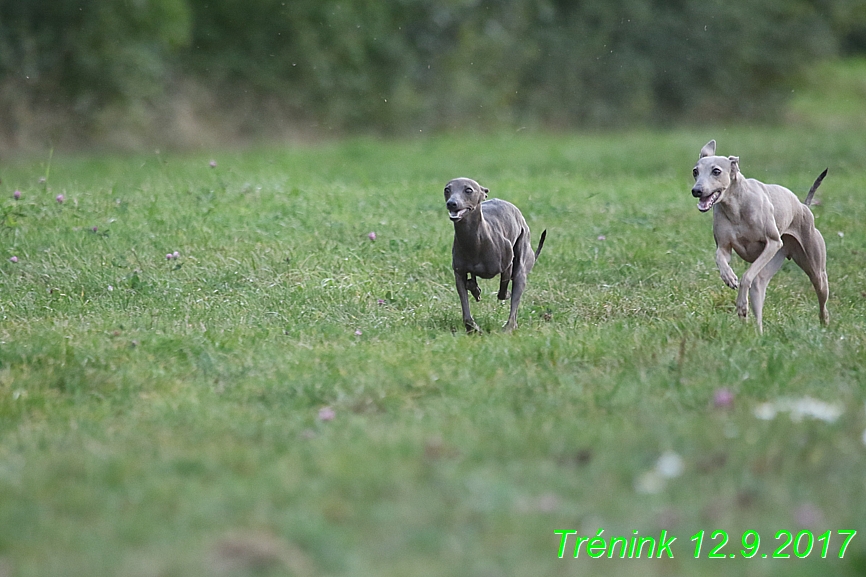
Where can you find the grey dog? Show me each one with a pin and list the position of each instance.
(491, 238)
(764, 224)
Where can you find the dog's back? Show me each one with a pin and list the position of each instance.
(504, 218)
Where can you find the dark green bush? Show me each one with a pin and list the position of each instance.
(409, 65)
(79, 57)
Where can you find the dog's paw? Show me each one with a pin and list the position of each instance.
(731, 280)
(742, 308)
(474, 289)
(472, 327)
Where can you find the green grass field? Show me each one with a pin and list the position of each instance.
(165, 417)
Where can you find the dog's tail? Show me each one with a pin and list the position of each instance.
(540, 243)
(815, 186)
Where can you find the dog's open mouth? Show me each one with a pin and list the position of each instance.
(707, 202)
(456, 215)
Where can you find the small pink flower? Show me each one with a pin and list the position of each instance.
(358, 333)
(327, 414)
(380, 302)
(16, 195)
(175, 255)
(601, 237)
(808, 515)
(372, 236)
(168, 256)
(60, 198)
(723, 398)
(213, 164)
(13, 259)
(94, 229)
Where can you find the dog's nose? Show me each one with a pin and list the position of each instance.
(451, 205)
(696, 192)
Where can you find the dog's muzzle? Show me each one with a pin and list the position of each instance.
(456, 215)
(706, 202)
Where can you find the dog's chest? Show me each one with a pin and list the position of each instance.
(749, 251)
(744, 235)
(747, 242)
(480, 268)
(484, 264)
(483, 257)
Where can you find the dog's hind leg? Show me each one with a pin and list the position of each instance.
(517, 286)
(758, 289)
(523, 261)
(812, 258)
(822, 289)
(473, 288)
(512, 257)
(504, 279)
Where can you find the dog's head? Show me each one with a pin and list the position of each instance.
(463, 195)
(713, 176)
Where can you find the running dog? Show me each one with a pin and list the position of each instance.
(491, 238)
(764, 224)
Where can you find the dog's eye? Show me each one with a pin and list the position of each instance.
(717, 171)
(468, 190)
(447, 191)
(695, 173)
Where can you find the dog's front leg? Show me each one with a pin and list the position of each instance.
(723, 261)
(773, 246)
(463, 292)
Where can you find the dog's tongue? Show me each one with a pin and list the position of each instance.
(704, 204)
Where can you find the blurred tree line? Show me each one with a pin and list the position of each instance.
(83, 68)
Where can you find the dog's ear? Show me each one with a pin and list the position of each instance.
(709, 149)
(485, 191)
(735, 166)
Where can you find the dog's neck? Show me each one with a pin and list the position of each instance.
(730, 200)
(470, 230)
